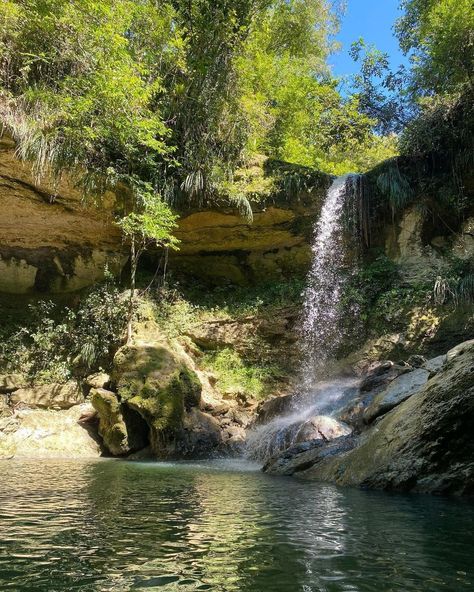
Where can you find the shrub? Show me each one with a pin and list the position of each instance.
(61, 342)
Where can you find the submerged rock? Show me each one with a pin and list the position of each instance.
(49, 396)
(424, 444)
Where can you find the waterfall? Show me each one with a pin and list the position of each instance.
(321, 333)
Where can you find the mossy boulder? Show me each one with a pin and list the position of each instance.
(112, 426)
(152, 379)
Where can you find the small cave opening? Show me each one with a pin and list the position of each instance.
(137, 428)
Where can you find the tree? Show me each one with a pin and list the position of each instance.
(152, 224)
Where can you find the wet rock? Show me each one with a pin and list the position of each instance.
(395, 393)
(321, 427)
(271, 408)
(379, 374)
(235, 434)
(375, 379)
(201, 436)
(416, 361)
(425, 444)
(49, 396)
(99, 380)
(303, 456)
(434, 365)
(283, 433)
(11, 382)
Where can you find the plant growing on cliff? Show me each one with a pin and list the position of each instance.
(58, 342)
(149, 223)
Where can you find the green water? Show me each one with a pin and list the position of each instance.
(111, 525)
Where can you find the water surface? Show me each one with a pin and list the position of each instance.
(222, 526)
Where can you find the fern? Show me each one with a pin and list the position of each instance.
(243, 206)
(395, 186)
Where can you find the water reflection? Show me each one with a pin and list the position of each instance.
(115, 526)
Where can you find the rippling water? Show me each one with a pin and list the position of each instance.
(118, 526)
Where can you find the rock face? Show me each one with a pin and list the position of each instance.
(49, 396)
(222, 247)
(396, 392)
(11, 382)
(425, 444)
(51, 242)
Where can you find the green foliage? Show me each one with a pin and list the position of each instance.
(293, 109)
(439, 37)
(368, 282)
(237, 377)
(176, 94)
(59, 342)
(456, 285)
(152, 223)
(78, 89)
(394, 186)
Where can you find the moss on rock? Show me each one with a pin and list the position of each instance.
(153, 380)
(112, 426)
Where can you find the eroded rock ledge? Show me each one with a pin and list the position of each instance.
(51, 242)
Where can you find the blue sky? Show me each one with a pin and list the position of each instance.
(373, 20)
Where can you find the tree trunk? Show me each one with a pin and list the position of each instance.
(131, 301)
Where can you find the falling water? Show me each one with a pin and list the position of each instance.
(321, 331)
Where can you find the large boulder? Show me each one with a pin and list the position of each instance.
(396, 392)
(424, 444)
(49, 396)
(321, 427)
(200, 436)
(152, 379)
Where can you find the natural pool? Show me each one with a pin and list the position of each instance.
(221, 526)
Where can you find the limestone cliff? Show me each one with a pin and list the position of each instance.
(49, 240)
